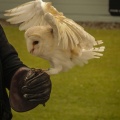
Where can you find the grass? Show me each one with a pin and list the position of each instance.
(91, 92)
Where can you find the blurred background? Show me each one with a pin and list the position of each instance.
(78, 10)
(91, 92)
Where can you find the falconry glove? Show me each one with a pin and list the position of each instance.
(29, 88)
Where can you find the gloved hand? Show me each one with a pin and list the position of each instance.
(29, 88)
(37, 86)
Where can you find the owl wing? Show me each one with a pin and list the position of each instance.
(30, 14)
(66, 31)
(70, 34)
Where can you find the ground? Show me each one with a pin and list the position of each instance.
(91, 92)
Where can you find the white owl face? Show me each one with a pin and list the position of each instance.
(39, 40)
(33, 44)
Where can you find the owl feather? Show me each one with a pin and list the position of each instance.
(54, 37)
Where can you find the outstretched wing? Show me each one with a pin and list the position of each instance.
(68, 33)
(30, 14)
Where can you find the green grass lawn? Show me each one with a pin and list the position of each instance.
(91, 92)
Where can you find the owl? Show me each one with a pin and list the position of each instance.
(54, 37)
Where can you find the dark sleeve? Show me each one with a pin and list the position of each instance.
(9, 58)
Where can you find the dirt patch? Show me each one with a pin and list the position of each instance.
(100, 25)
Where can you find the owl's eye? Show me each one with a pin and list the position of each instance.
(35, 42)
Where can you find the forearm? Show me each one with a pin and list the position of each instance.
(10, 65)
(5, 48)
(9, 58)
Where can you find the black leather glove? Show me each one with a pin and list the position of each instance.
(29, 88)
(37, 86)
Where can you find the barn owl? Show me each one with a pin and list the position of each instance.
(54, 37)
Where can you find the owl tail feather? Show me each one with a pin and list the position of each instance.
(95, 52)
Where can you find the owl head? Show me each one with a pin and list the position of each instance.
(39, 39)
